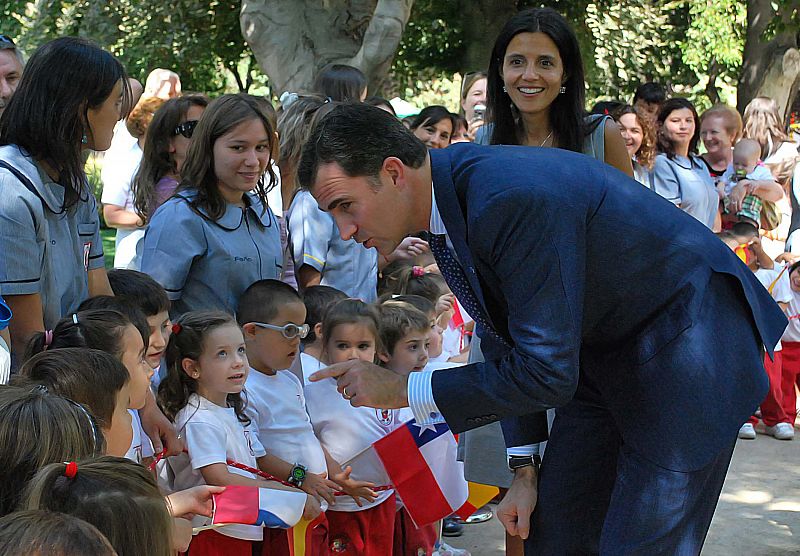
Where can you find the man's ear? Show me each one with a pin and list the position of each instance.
(395, 169)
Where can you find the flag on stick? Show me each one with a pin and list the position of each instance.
(258, 506)
(421, 462)
(479, 495)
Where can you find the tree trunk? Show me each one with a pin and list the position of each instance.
(293, 39)
(769, 68)
(482, 21)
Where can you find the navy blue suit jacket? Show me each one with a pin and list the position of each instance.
(587, 273)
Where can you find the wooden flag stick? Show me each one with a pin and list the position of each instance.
(196, 530)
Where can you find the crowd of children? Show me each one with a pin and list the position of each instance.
(237, 389)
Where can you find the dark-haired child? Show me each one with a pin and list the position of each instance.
(317, 299)
(90, 377)
(140, 290)
(141, 448)
(362, 523)
(207, 368)
(272, 317)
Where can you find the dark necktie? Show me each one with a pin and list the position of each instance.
(457, 281)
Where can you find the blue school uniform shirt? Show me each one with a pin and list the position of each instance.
(314, 238)
(45, 249)
(205, 264)
(685, 181)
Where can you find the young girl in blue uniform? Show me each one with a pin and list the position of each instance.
(217, 235)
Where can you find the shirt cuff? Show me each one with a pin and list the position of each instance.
(420, 399)
(527, 450)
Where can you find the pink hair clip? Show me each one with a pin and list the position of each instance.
(48, 338)
(71, 470)
(417, 271)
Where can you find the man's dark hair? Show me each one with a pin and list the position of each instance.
(139, 289)
(650, 92)
(262, 301)
(358, 137)
(317, 300)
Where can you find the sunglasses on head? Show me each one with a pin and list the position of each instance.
(186, 128)
(290, 331)
(5, 41)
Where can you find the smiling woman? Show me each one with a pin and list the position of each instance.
(229, 237)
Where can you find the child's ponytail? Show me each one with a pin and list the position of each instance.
(101, 329)
(186, 342)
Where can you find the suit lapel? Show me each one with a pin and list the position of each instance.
(454, 220)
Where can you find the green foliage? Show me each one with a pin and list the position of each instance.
(199, 39)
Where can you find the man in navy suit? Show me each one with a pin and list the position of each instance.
(592, 295)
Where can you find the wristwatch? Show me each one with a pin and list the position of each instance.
(517, 462)
(297, 475)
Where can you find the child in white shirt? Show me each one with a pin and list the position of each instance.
(271, 315)
(207, 370)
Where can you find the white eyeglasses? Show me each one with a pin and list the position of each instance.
(290, 331)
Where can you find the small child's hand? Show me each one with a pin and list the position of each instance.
(312, 509)
(445, 303)
(193, 501)
(356, 489)
(321, 487)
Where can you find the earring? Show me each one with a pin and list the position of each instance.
(562, 90)
(84, 139)
(504, 89)
(196, 374)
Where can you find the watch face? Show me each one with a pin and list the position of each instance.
(298, 473)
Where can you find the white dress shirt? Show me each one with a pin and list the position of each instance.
(420, 391)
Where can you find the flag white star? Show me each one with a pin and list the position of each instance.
(423, 428)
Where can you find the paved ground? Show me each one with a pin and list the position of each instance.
(758, 513)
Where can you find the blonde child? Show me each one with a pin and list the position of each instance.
(37, 428)
(115, 495)
(747, 171)
(43, 533)
(363, 523)
(271, 315)
(206, 371)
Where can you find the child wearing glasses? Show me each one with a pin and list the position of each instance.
(272, 317)
(202, 393)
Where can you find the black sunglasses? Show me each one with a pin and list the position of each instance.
(186, 128)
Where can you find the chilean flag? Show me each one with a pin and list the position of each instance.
(421, 462)
(258, 506)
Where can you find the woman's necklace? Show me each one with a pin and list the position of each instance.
(549, 135)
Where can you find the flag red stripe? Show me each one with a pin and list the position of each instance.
(466, 510)
(237, 504)
(412, 478)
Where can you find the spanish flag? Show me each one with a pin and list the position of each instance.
(479, 495)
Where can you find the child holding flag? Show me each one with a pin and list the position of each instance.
(271, 315)
(207, 369)
(362, 524)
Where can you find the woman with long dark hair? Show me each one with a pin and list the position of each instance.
(165, 148)
(680, 176)
(217, 235)
(536, 91)
(51, 257)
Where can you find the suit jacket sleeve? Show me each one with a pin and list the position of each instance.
(534, 244)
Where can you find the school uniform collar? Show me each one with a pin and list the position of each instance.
(233, 217)
(50, 192)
